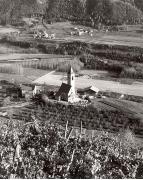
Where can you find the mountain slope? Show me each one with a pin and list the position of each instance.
(96, 11)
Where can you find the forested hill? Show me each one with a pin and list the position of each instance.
(95, 11)
(16, 9)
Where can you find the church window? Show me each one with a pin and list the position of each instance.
(72, 77)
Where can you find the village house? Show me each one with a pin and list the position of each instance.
(14, 92)
(38, 89)
(9, 90)
(91, 91)
(26, 90)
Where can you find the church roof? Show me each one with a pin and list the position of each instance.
(65, 88)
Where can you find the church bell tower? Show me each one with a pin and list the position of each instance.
(71, 79)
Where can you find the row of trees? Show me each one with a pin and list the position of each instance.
(11, 69)
(124, 61)
(61, 65)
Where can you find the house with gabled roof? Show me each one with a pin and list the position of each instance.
(90, 91)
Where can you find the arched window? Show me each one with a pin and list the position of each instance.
(72, 77)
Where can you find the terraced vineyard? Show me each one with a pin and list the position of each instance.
(104, 117)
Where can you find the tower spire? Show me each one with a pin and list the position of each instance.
(71, 79)
(70, 71)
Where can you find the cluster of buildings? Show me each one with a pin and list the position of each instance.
(67, 91)
(80, 31)
(14, 91)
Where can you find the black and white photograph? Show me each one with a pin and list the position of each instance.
(71, 89)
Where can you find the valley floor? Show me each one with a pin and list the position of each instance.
(84, 81)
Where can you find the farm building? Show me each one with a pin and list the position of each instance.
(14, 91)
(26, 89)
(38, 89)
(89, 91)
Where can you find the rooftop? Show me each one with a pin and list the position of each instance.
(65, 88)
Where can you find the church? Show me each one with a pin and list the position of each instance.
(67, 91)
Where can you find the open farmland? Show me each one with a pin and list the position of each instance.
(132, 37)
(15, 78)
(81, 82)
(100, 115)
(28, 75)
(63, 32)
(7, 29)
(23, 57)
(131, 109)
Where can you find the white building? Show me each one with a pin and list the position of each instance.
(38, 89)
(67, 91)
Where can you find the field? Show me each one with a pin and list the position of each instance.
(86, 81)
(62, 30)
(21, 57)
(29, 74)
(131, 109)
(29, 64)
(132, 37)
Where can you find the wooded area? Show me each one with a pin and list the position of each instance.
(90, 12)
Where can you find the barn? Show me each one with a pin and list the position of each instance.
(89, 91)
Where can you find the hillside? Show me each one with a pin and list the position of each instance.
(89, 12)
(16, 9)
(108, 12)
